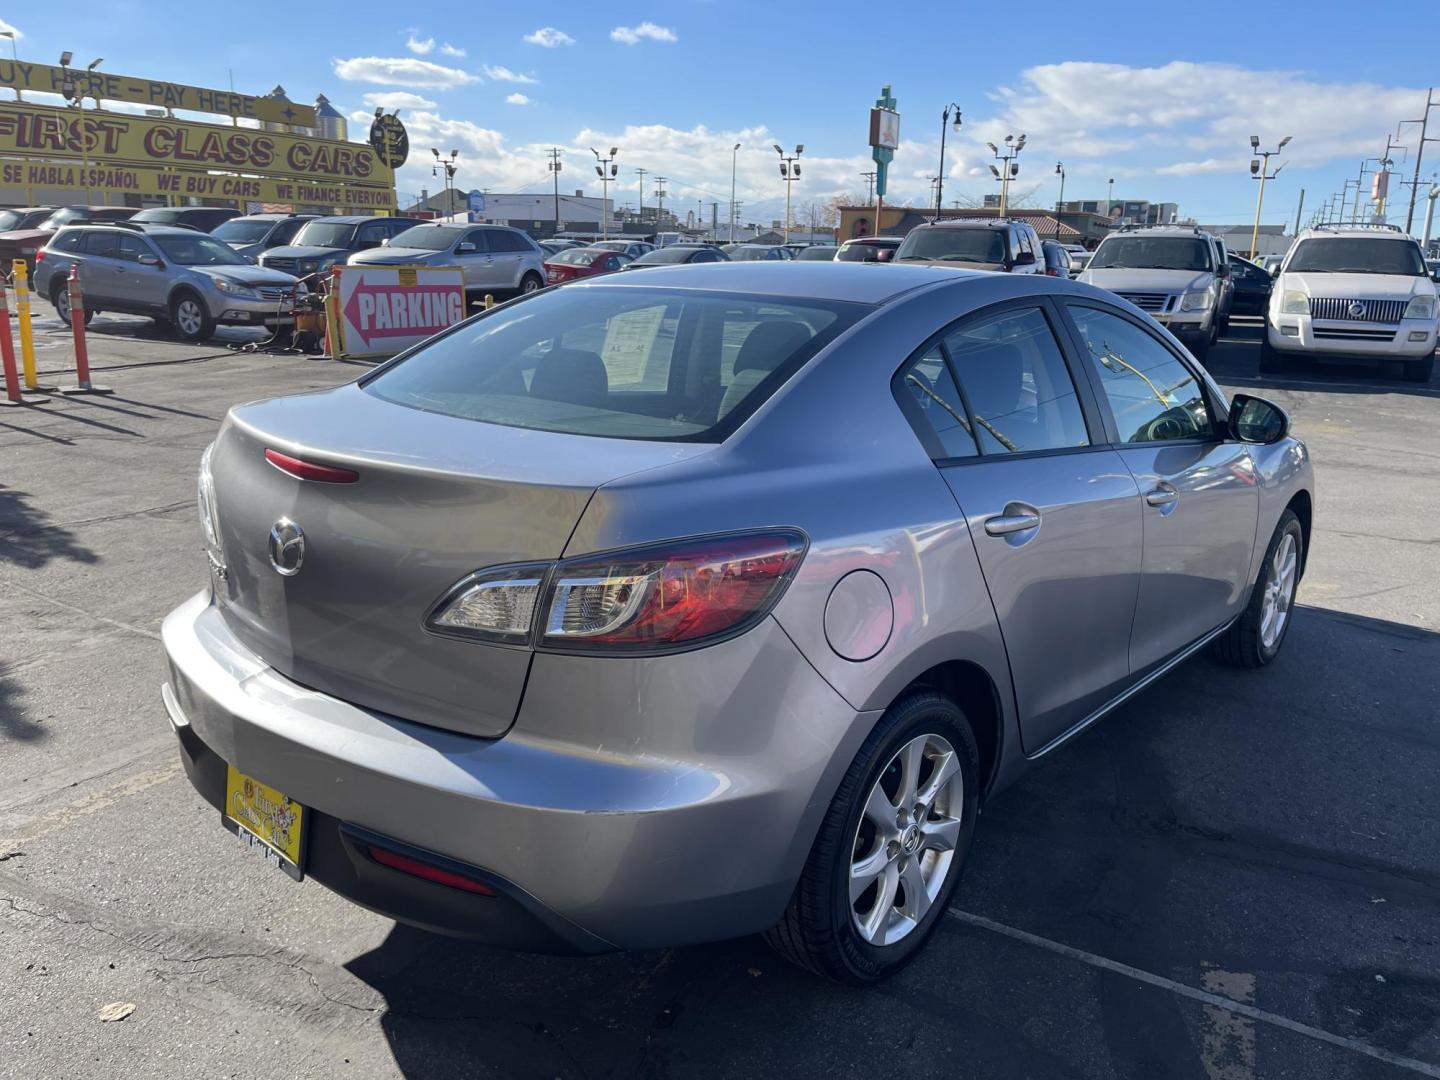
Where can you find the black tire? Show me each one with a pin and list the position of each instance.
(1419, 371)
(1243, 645)
(531, 282)
(1224, 325)
(817, 930)
(1272, 360)
(60, 298)
(1200, 349)
(189, 317)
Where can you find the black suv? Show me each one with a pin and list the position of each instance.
(975, 244)
(201, 218)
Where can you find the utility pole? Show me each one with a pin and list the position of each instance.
(641, 212)
(1060, 202)
(1260, 170)
(1299, 210)
(659, 201)
(790, 170)
(714, 221)
(607, 168)
(1429, 215)
(869, 178)
(555, 165)
(1430, 102)
(1383, 195)
(734, 157)
(940, 180)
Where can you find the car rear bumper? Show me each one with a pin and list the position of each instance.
(1352, 340)
(587, 847)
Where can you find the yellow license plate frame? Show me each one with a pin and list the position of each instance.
(270, 822)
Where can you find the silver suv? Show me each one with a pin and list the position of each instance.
(492, 258)
(1358, 293)
(975, 244)
(181, 278)
(1178, 275)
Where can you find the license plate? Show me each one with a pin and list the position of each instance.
(270, 823)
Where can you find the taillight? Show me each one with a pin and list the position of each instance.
(40, 255)
(425, 871)
(309, 470)
(1050, 271)
(657, 598)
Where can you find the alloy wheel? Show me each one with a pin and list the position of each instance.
(188, 317)
(905, 840)
(1279, 591)
(62, 304)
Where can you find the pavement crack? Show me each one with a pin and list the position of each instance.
(164, 508)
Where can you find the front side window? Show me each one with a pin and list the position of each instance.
(132, 247)
(372, 233)
(106, 245)
(654, 364)
(1153, 396)
(1015, 382)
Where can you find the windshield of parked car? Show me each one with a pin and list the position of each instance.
(858, 252)
(959, 245)
(243, 230)
(613, 245)
(1152, 253)
(198, 250)
(816, 254)
(576, 257)
(64, 217)
(1357, 255)
(429, 237)
(746, 253)
(11, 219)
(628, 363)
(326, 234)
(670, 254)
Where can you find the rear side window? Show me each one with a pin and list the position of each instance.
(654, 364)
(505, 240)
(67, 241)
(928, 396)
(1015, 382)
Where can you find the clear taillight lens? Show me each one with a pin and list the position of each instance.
(649, 599)
(209, 523)
(670, 595)
(494, 605)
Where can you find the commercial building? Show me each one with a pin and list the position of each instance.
(580, 214)
(1273, 239)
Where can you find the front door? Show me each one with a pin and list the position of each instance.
(139, 287)
(478, 265)
(1054, 514)
(1198, 490)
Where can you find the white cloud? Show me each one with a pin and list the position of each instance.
(420, 47)
(451, 50)
(397, 99)
(402, 71)
(517, 99)
(632, 35)
(10, 28)
(548, 37)
(504, 74)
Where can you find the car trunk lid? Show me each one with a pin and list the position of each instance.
(434, 498)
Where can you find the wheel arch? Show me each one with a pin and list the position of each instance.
(1303, 507)
(970, 686)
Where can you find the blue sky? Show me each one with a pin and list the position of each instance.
(1161, 97)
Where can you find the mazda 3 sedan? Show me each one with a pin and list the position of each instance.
(669, 607)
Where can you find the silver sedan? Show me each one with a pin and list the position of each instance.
(682, 605)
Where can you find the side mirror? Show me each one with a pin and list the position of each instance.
(1222, 271)
(1255, 420)
(1025, 258)
(464, 248)
(149, 260)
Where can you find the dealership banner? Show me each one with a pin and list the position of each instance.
(103, 86)
(139, 180)
(383, 310)
(39, 131)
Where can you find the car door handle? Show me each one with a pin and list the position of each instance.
(1163, 495)
(1012, 521)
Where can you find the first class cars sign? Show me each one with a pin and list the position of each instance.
(383, 310)
(39, 131)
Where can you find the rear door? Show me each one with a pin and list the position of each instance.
(1199, 494)
(506, 252)
(99, 260)
(1053, 512)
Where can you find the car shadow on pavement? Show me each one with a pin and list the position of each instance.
(1223, 820)
(1235, 359)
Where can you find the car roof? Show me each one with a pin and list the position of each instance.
(873, 240)
(970, 223)
(1370, 233)
(850, 282)
(275, 217)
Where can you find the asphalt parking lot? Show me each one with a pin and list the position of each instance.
(1236, 876)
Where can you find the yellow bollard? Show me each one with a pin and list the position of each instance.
(489, 301)
(27, 336)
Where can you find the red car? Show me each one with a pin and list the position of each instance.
(582, 262)
(23, 242)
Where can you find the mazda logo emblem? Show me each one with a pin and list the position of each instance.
(1356, 309)
(287, 547)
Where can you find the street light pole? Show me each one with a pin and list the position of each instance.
(790, 170)
(555, 166)
(1060, 202)
(448, 165)
(641, 212)
(734, 157)
(1009, 166)
(940, 179)
(607, 168)
(1260, 170)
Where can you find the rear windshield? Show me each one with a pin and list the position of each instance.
(671, 254)
(962, 245)
(1152, 253)
(654, 364)
(856, 252)
(1357, 255)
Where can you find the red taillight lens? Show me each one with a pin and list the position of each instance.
(670, 595)
(40, 255)
(308, 470)
(416, 868)
(1050, 271)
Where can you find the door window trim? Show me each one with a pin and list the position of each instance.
(1219, 416)
(1097, 424)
